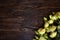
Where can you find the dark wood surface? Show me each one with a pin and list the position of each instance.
(19, 18)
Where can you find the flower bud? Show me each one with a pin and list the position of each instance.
(45, 19)
(58, 27)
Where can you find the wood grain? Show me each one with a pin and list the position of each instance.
(19, 18)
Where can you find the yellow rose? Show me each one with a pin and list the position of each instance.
(58, 14)
(53, 17)
(52, 29)
(51, 21)
(53, 34)
(46, 24)
(41, 31)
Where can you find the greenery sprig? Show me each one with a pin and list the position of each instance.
(51, 28)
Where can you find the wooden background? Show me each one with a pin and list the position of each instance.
(19, 18)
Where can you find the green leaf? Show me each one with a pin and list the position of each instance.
(46, 36)
(36, 37)
(36, 32)
(58, 31)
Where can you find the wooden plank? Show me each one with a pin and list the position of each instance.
(19, 18)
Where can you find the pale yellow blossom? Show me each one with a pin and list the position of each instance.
(52, 28)
(46, 24)
(51, 21)
(53, 34)
(41, 31)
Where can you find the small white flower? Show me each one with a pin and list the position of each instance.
(41, 31)
(53, 34)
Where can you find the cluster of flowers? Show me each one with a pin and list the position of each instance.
(51, 26)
